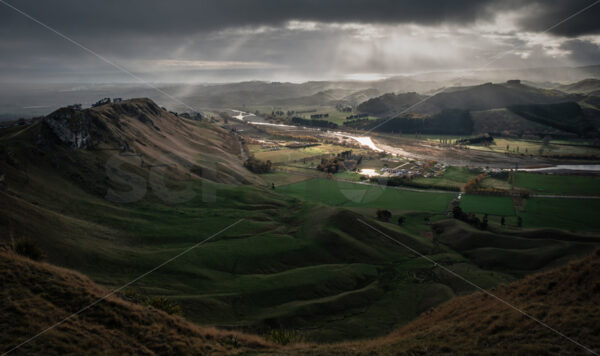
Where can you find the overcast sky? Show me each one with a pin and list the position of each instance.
(292, 40)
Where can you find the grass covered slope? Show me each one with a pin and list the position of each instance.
(567, 299)
(300, 259)
(566, 116)
(37, 295)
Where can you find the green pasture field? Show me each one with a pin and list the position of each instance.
(487, 205)
(537, 148)
(557, 184)
(562, 213)
(352, 194)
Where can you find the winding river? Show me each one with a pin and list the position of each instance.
(367, 141)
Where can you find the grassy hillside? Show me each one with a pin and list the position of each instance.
(390, 103)
(300, 260)
(566, 116)
(492, 96)
(505, 122)
(113, 326)
(446, 122)
(565, 299)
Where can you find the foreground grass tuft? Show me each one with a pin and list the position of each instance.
(284, 336)
(158, 302)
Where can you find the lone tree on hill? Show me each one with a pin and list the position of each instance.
(384, 215)
(502, 221)
(484, 223)
(457, 212)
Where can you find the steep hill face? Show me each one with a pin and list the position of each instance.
(390, 103)
(567, 299)
(567, 117)
(479, 97)
(494, 108)
(84, 144)
(505, 122)
(113, 326)
(492, 96)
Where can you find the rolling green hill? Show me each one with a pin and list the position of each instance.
(487, 104)
(299, 259)
(472, 98)
(564, 299)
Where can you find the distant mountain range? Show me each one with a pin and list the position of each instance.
(21, 100)
(507, 108)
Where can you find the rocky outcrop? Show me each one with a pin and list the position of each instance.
(71, 127)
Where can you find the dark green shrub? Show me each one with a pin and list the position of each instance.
(28, 248)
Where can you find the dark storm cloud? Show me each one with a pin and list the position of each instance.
(142, 34)
(547, 13)
(583, 52)
(159, 16)
(166, 17)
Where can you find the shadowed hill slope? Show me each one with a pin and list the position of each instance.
(472, 98)
(113, 326)
(567, 299)
(388, 104)
(492, 96)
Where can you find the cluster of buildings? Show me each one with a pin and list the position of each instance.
(414, 169)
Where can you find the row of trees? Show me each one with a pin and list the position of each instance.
(315, 123)
(457, 212)
(258, 166)
(481, 224)
(341, 162)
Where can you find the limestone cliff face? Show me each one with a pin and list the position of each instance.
(71, 127)
(140, 128)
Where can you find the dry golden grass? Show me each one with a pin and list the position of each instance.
(36, 295)
(567, 299)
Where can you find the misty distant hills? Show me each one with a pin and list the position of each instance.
(492, 96)
(479, 97)
(510, 108)
(536, 74)
(330, 97)
(26, 101)
(586, 86)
